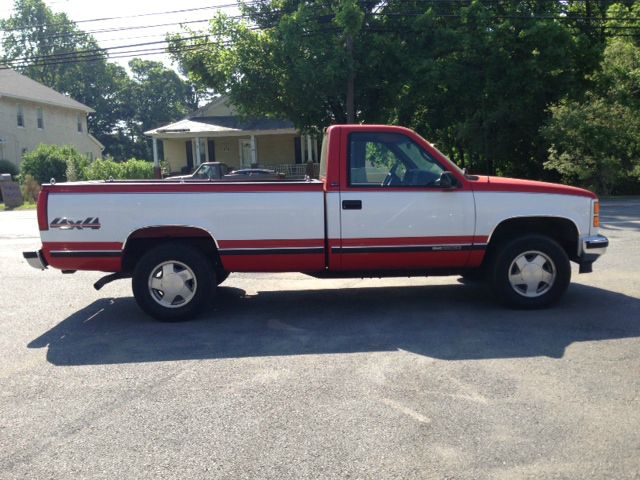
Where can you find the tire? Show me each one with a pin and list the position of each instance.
(531, 271)
(221, 276)
(173, 281)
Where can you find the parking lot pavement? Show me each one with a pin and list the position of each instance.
(291, 377)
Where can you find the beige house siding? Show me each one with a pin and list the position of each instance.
(276, 149)
(60, 128)
(228, 150)
(218, 108)
(175, 154)
(271, 150)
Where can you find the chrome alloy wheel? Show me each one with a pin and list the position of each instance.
(532, 274)
(172, 284)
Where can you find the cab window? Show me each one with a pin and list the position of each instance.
(390, 160)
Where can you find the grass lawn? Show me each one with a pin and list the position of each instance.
(25, 206)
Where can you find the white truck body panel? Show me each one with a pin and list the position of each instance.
(225, 215)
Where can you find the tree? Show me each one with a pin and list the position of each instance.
(295, 65)
(476, 78)
(156, 95)
(595, 141)
(480, 78)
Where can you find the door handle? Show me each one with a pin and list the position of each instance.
(352, 204)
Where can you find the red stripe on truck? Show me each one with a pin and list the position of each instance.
(101, 256)
(406, 241)
(281, 243)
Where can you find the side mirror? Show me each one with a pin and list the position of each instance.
(447, 181)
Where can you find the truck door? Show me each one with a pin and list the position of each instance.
(395, 211)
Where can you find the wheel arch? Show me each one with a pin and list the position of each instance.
(562, 229)
(142, 239)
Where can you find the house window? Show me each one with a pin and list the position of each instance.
(20, 116)
(79, 122)
(40, 118)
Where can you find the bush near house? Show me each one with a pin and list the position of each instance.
(132, 169)
(50, 161)
(8, 167)
(67, 164)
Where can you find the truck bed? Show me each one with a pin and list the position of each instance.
(257, 226)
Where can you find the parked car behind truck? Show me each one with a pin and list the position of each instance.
(221, 172)
(387, 204)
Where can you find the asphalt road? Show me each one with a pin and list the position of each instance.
(289, 377)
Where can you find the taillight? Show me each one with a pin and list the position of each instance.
(596, 214)
(43, 205)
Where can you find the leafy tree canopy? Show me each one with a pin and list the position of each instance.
(595, 141)
(476, 78)
(49, 48)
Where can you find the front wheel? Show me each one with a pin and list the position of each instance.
(172, 282)
(532, 271)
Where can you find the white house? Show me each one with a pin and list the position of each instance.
(215, 132)
(32, 114)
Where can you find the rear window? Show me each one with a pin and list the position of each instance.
(324, 154)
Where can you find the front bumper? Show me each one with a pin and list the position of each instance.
(35, 259)
(591, 249)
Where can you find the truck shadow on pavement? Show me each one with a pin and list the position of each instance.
(451, 322)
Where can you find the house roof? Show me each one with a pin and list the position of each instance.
(15, 85)
(218, 126)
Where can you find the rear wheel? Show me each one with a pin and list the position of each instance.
(172, 282)
(532, 271)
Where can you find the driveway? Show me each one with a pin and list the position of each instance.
(288, 377)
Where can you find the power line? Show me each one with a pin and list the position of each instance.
(93, 20)
(568, 17)
(119, 29)
(73, 53)
(91, 33)
(94, 56)
(117, 51)
(88, 56)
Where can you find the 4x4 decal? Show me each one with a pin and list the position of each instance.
(64, 223)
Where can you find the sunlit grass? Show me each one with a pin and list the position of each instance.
(24, 206)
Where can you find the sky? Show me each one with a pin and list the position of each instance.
(82, 10)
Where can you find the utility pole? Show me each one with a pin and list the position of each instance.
(351, 114)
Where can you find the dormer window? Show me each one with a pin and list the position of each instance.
(20, 116)
(40, 118)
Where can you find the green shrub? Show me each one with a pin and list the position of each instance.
(8, 167)
(76, 168)
(102, 170)
(50, 161)
(130, 170)
(137, 169)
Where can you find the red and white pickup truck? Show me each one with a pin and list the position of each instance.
(387, 204)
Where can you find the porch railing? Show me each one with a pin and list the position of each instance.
(298, 170)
